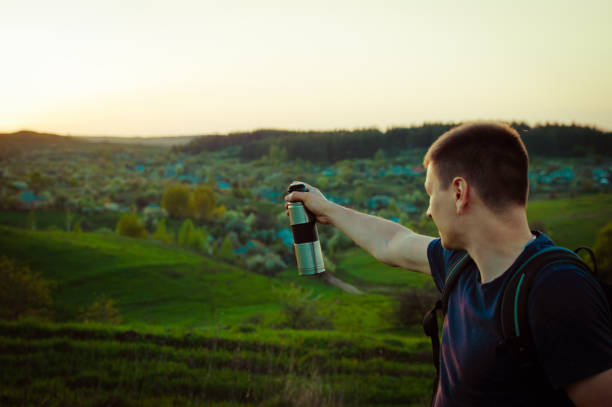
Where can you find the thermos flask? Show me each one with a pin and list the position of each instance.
(305, 236)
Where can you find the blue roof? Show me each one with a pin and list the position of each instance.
(188, 177)
(267, 193)
(28, 196)
(286, 236)
(223, 185)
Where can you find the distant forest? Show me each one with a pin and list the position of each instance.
(328, 146)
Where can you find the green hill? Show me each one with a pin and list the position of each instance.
(572, 222)
(154, 283)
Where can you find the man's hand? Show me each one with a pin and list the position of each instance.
(314, 201)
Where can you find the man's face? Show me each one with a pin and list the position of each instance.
(442, 209)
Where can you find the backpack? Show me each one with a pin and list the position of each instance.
(515, 327)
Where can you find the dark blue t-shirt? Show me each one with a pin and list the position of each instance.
(568, 315)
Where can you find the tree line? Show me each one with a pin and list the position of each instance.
(329, 146)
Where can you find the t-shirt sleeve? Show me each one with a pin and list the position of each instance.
(439, 261)
(569, 319)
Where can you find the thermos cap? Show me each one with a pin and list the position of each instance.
(297, 186)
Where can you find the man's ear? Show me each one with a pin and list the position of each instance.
(461, 192)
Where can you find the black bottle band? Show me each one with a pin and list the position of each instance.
(304, 233)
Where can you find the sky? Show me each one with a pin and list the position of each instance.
(153, 68)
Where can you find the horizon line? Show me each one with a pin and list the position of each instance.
(413, 125)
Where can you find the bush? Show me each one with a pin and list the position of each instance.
(226, 250)
(603, 252)
(102, 310)
(413, 304)
(77, 227)
(130, 225)
(301, 310)
(23, 293)
(192, 237)
(161, 232)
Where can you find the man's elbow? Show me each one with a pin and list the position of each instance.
(594, 391)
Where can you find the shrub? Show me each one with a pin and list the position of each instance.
(161, 232)
(192, 237)
(301, 309)
(130, 225)
(226, 251)
(23, 293)
(102, 310)
(413, 304)
(603, 252)
(185, 232)
(77, 227)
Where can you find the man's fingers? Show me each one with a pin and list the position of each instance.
(295, 196)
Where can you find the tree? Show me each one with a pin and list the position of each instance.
(198, 240)
(161, 232)
(277, 154)
(185, 232)
(23, 293)
(227, 250)
(603, 252)
(176, 200)
(130, 225)
(37, 182)
(204, 202)
(77, 227)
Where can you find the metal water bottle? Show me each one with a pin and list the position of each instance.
(305, 236)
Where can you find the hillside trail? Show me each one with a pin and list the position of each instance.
(344, 286)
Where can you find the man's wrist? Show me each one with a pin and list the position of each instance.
(335, 212)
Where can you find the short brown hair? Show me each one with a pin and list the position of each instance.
(489, 155)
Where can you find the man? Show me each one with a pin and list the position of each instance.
(477, 182)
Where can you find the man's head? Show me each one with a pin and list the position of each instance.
(479, 162)
(490, 156)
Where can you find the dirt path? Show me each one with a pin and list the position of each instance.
(335, 281)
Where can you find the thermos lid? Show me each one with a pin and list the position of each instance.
(297, 186)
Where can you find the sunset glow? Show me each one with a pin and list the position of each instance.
(196, 67)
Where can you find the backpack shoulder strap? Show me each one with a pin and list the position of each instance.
(515, 325)
(430, 320)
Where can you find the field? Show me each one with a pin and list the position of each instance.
(155, 283)
(200, 331)
(573, 222)
(59, 365)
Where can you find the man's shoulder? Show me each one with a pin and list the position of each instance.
(440, 261)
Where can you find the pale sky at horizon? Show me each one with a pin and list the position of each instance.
(200, 67)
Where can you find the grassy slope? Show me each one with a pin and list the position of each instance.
(573, 222)
(152, 283)
(155, 283)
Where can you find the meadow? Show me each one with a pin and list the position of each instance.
(200, 331)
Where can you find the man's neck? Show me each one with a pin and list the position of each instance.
(496, 243)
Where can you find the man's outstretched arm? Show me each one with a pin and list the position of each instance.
(389, 242)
